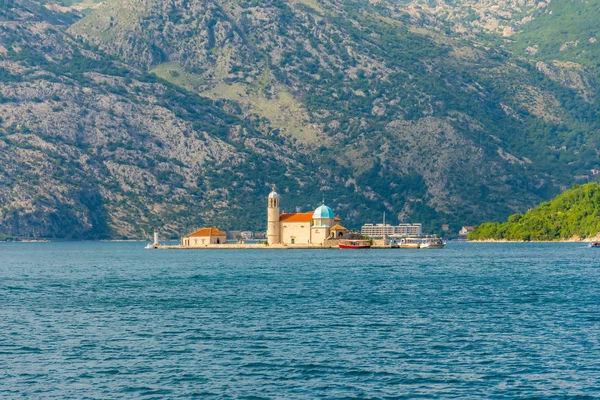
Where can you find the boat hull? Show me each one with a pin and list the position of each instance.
(354, 244)
(432, 246)
(410, 246)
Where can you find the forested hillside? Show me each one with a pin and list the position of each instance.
(574, 214)
(124, 115)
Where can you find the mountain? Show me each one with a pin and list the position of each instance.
(560, 37)
(94, 148)
(574, 213)
(564, 31)
(181, 114)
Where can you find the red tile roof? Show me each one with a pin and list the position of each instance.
(207, 232)
(338, 227)
(337, 219)
(296, 217)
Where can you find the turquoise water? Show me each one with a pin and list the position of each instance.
(112, 320)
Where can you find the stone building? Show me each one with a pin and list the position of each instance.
(307, 228)
(204, 236)
(338, 232)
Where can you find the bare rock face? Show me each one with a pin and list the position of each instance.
(199, 35)
(570, 74)
(502, 17)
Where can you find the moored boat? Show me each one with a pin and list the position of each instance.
(354, 244)
(410, 243)
(433, 243)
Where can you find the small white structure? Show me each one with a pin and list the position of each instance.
(155, 238)
(465, 230)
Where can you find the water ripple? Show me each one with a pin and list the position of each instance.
(101, 320)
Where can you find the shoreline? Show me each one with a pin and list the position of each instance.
(572, 240)
(236, 246)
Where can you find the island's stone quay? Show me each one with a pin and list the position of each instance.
(243, 246)
(328, 244)
(318, 229)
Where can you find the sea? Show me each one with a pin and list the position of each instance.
(93, 320)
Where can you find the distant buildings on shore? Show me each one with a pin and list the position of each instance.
(380, 230)
(465, 230)
(239, 235)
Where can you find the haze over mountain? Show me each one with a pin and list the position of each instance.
(124, 115)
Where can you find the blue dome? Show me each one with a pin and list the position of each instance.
(323, 212)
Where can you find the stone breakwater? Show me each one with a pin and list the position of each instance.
(237, 246)
(230, 246)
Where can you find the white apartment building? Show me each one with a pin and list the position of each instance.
(379, 230)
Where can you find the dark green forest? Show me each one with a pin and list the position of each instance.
(572, 214)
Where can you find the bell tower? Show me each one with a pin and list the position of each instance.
(273, 236)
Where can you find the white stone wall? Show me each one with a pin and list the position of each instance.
(319, 234)
(298, 231)
(196, 241)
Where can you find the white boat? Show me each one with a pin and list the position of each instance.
(433, 243)
(421, 243)
(410, 243)
(594, 244)
(149, 246)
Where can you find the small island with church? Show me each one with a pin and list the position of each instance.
(318, 229)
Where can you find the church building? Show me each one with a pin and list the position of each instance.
(309, 228)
